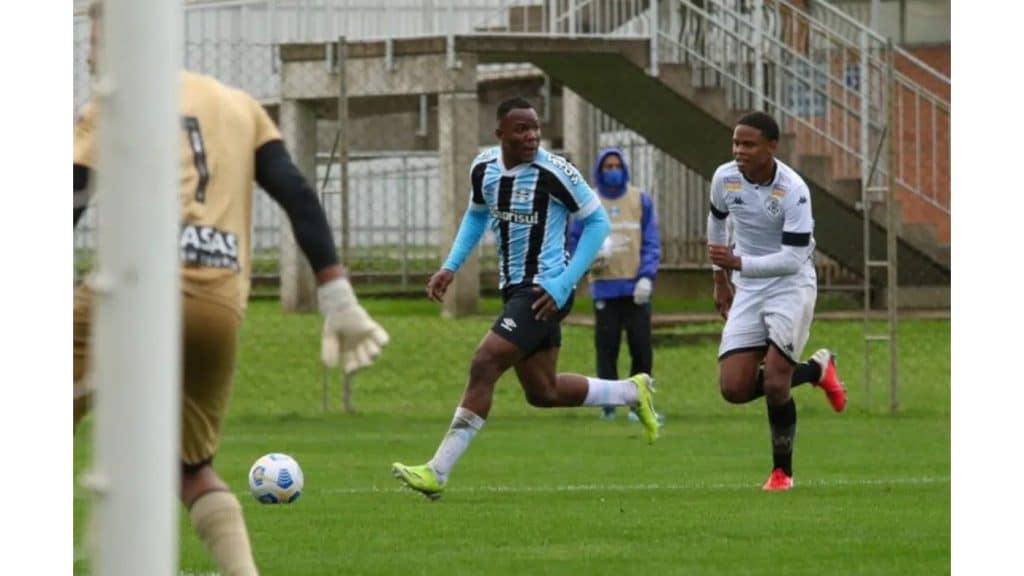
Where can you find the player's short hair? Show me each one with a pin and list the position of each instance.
(512, 104)
(763, 122)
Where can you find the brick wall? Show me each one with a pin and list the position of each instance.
(923, 136)
(924, 128)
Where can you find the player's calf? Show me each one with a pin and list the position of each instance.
(217, 519)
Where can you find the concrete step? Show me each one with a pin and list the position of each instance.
(817, 168)
(848, 189)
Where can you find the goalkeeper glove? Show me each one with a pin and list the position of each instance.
(350, 336)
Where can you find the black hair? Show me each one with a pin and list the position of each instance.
(763, 122)
(512, 104)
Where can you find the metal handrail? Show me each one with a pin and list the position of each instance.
(874, 35)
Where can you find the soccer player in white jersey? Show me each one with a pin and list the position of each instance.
(768, 317)
(525, 195)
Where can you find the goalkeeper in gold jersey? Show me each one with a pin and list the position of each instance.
(228, 142)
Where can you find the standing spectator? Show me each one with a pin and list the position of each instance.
(622, 279)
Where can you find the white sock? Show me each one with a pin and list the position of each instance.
(464, 427)
(610, 393)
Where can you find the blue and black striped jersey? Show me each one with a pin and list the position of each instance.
(529, 207)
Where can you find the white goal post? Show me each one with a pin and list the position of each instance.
(137, 332)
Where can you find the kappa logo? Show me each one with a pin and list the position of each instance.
(802, 200)
(508, 324)
(737, 201)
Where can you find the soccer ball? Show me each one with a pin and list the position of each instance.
(276, 479)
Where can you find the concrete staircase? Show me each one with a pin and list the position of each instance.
(691, 124)
(694, 125)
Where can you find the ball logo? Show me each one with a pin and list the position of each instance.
(257, 475)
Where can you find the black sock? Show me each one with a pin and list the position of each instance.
(782, 420)
(805, 372)
(802, 374)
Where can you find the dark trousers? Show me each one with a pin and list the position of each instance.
(612, 317)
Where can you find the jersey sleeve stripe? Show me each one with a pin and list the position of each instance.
(587, 209)
(551, 181)
(477, 180)
(800, 239)
(719, 213)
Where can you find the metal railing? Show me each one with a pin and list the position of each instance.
(824, 84)
(235, 40)
(819, 80)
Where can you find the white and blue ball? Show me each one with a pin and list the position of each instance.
(276, 479)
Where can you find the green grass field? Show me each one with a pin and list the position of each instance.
(561, 492)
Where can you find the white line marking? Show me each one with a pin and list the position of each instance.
(654, 487)
(672, 487)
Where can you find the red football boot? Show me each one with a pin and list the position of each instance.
(778, 481)
(834, 388)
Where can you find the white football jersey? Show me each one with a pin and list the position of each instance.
(764, 216)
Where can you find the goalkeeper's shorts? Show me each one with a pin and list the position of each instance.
(209, 348)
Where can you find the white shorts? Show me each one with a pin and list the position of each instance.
(779, 313)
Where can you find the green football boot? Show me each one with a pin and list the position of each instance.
(645, 405)
(420, 478)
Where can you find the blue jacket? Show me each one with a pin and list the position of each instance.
(650, 249)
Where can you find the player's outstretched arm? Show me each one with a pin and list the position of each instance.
(595, 229)
(350, 336)
(472, 229)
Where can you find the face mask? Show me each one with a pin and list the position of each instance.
(614, 177)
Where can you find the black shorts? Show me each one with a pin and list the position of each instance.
(517, 322)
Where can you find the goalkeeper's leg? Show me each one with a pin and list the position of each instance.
(216, 515)
(81, 351)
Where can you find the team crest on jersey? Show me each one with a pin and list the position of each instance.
(772, 206)
(208, 247)
(733, 184)
(521, 195)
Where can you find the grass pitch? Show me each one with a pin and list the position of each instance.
(561, 492)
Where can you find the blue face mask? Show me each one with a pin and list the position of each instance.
(614, 177)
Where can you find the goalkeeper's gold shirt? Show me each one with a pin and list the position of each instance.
(222, 128)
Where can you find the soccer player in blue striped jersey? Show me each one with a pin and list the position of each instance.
(525, 195)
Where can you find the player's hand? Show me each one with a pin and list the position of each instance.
(723, 295)
(438, 284)
(723, 257)
(350, 336)
(544, 308)
(642, 291)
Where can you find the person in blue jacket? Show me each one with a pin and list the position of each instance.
(622, 276)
